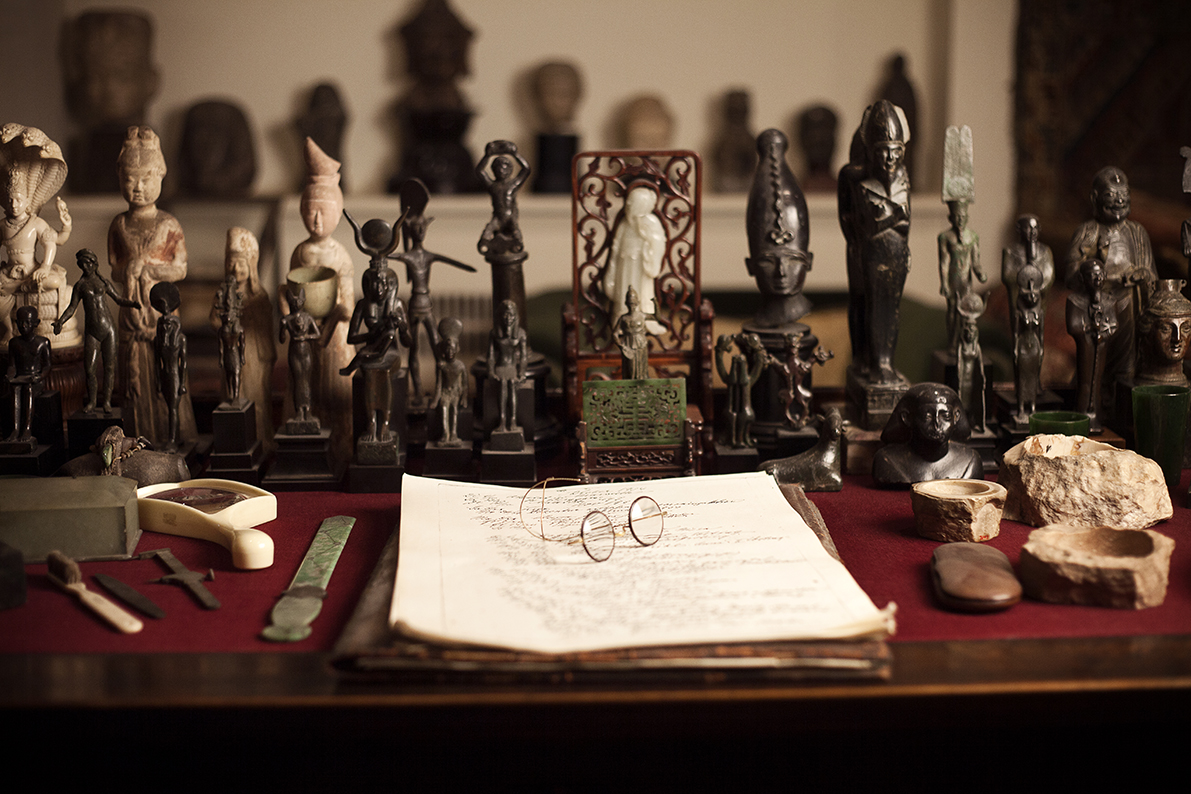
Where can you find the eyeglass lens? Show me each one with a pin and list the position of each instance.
(598, 535)
(645, 520)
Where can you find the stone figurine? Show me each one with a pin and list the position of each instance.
(169, 346)
(740, 376)
(1163, 329)
(146, 247)
(378, 323)
(28, 367)
(817, 130)
(924, 439)
(226, 311)
(556, 88)
(414, 197)
(1028, 250)
(503, 171)
(99, 336)
(451, 385)
(632, 338)
(879, 211)
(241, 263)
(303, 333)
(847, 186)
(508, 358)
(778, 229)
(1123, 248)
(434, 114)
(819, 468)
(636, 253)
(1093, 322)
(324, 121)
(110, 78)
(647, 124)
(217, 158)
(969, 359)
(735, 153)
(32, 171)
(322, 208)
(1028, 348)
(795, 369)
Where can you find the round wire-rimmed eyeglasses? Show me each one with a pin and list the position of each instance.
(597, 532)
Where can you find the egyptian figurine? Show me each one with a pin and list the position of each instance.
(508, 358)
(169, 347)
(227, 310)
(778, 229)
(378, 324)
(795, 369)
(28, 367)
(1093, 322)
(1028, 250)
(632, 338)
(451, 383)
(740, 376)
(303, 333)
(1028, 317)
(959, 247)
(924, 439)
(969, 359)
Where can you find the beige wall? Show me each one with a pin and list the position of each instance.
(267, 54)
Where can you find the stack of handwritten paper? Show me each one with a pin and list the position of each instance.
(736, 568)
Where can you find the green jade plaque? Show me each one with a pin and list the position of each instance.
(300, 604)
(626, 413)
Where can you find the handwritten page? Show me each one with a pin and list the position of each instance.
(735, 564)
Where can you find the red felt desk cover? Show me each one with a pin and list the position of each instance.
(872, 528)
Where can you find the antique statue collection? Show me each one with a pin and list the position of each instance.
(1129, 327)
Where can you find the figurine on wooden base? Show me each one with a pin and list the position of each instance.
(924, 439)
(238, 449)
(28, 366)
(169, 346)
(1093, 321)
(231, 339)
(1028, 316)
(146, 247)
(557, 87)
(418, 260)
(99, 339)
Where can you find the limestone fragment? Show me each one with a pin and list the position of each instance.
(1057, 479)
(958, 510)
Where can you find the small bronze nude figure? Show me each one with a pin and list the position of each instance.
(1092, 320)
(508, 357)
(169, 348)
(924, 439)
(414, 197)
(631, 337)
(745, 370)
(28, 366)
(377, 323)
(451, 384)
(503, 233)
(303, 333)
(99, 340)
(1028, 317)
(228, 303)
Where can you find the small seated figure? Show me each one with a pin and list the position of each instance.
(28, 366)
(745, 370)
(303, 332)
(502, 235)
(924, 439)
(1092, 321)
(1028, 339)
(99, 339)
(631, 330)
(1164, 327)
(508, 357)
(796, 396)
(169, 348)
(377, 323)
(231, 338)
(451, 385)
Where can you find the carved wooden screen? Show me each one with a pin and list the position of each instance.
(600, 183)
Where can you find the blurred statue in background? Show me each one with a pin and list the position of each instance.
(735, 152)
(556, 87)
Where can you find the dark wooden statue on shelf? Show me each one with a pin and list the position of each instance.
(743, 371)
(817, 129)
(414, 198)
(324, 121)
(303, 333)
(1028, 316)
(1164, 329)
(451, 384)
(231, 338)
(924, 439)
(557, 88)
(1127, 261)
(28, 366)
(169, 347)
(217, 158)
(735, 152)
(99, 334)
(1093, 321)
(778, 234)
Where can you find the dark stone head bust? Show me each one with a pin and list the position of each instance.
(924, 438)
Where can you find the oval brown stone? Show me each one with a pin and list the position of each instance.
(969, 577)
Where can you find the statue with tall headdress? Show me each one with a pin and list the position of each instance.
(145, 247)
(32, 171)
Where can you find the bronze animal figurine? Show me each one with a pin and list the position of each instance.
(118, 456)
(818, 468)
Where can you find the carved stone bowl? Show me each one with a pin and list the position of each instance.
(958, 510)
(321, 285)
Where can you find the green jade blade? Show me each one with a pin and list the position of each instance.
(300, 604)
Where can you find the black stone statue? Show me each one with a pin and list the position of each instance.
(99, 340)
(28, 366)
(924, 438)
